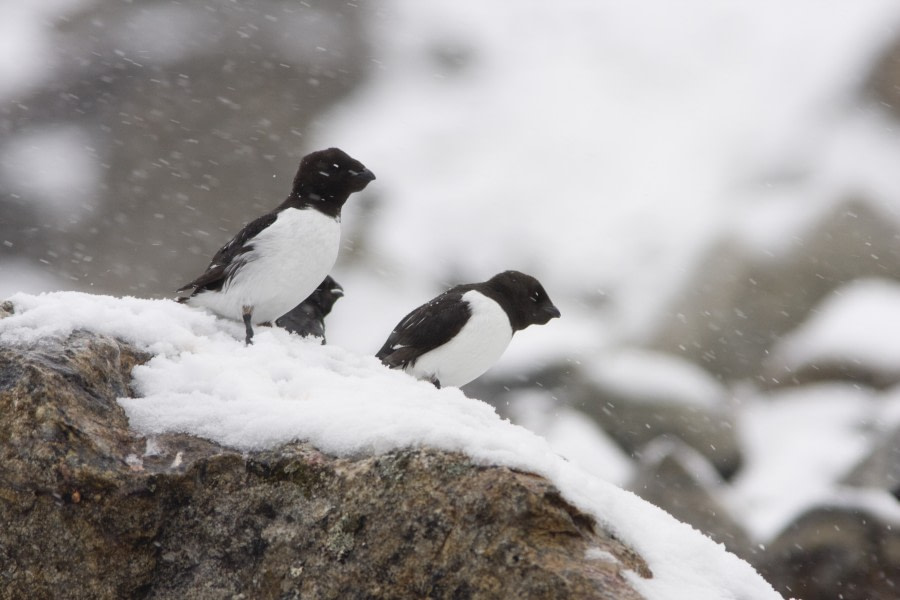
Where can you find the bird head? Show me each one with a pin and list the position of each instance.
(331, 173)
(527, 302)
(327, 294)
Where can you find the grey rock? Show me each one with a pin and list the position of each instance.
(633, 422)
(825, 348)
(883, 82)
(739, 302)
(776, 374)
(835, 552)
(88, 507)
(881, 468)
(678, 479)
(657, 396)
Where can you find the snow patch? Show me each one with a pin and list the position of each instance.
(858, 323)
(643, 375)
(799, 444)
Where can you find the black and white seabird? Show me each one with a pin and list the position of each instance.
(459, 335)
(308, 317)
(277, 260)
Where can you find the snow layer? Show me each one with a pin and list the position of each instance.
(858, 323)
(204, 381)
(575, 436)
(799, 443)
(653, 376)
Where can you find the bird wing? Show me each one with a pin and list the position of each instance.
(425, 328)
(304, 319)
(226, 262)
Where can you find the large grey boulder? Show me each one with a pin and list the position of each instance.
(91, 510)
(880, 469)
(853, 334)
(638, 396)
(834, 552)
(742, 299)
(883, 83)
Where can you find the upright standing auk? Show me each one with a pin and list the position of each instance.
(277, 260)
(458, 336)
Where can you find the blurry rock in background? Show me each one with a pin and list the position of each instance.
(160, 128)
(744, 296)
(678, 479)
(571, 433)
(638, 396)
(883, 83)
(880, 469)
(852, 335)
(835, 552)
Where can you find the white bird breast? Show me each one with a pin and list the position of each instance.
(290, 258)
(477, 346)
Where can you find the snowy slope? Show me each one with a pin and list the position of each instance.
(204, 381)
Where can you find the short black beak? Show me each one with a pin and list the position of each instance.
(365, 175)
(552, 311)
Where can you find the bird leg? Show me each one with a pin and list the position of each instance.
(248, 327)
(435, 381)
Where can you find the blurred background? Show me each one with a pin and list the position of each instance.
(709, 191)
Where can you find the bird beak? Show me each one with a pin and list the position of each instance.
(338, 291)
(365, 175)
(552, 311)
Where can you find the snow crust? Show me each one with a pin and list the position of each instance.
(858, 323)
(204, 381)
(654, 376)
(799, 443)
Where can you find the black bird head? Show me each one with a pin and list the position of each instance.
(330, 175)
(327, 294)
(524, 299)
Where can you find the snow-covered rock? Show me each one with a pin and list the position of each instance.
(858, 549)
(637, 396)
(678, 479)
(202, 381)
(853, 334)
(770, 270)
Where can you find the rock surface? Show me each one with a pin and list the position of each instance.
(635, 422)
(881, 468)
(883, 83)
(741, 300)
(835, 552)
(89, 508)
